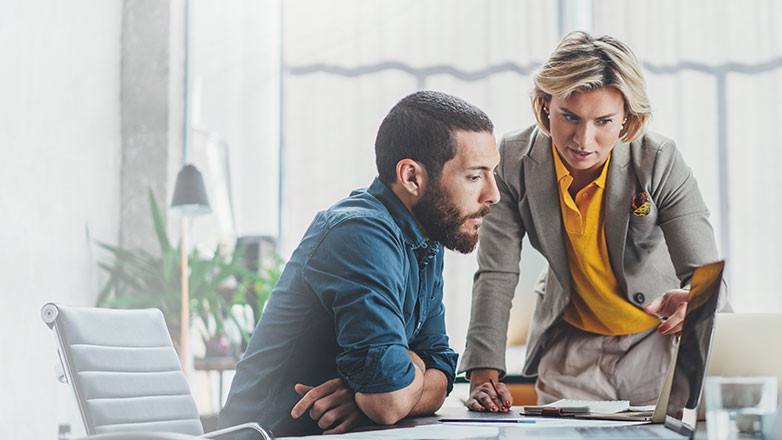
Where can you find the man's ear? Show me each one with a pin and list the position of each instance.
(411, 177)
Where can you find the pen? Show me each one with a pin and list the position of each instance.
(497, 391)
(660, 317)
(488, 420)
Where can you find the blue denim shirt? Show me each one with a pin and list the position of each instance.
(362, 288)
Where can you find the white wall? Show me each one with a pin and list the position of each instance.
(59, 186)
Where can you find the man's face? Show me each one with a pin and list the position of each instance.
(585, 127)
(452, 207)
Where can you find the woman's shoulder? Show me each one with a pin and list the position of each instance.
(656, 157)
(516, 144)
(654, 143)
(521, 138)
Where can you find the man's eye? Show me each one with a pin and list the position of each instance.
(474, 178)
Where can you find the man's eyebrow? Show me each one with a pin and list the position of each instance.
(479, 167)
(567, 110)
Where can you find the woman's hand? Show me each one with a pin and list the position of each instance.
(671, 307)
(482, 394)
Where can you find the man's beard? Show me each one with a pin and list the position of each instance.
(442, 222)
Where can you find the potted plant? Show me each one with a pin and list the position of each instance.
(140, 279)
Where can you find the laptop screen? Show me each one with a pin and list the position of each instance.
(694, 345)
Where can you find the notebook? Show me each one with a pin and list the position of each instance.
(679, 397)
(566, 407)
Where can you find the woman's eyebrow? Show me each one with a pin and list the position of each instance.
(567, 110)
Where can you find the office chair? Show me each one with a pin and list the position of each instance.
(126, 375)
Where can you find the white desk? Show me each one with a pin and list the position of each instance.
(474, 430)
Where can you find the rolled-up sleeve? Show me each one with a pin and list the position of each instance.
(358, 273)
(431, 345)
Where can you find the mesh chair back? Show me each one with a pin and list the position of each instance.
(123, 369)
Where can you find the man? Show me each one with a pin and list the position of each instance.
(355, 326)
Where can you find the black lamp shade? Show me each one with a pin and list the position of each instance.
(189, 193)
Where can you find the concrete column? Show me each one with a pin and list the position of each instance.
(151, 96)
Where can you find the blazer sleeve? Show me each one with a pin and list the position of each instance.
(683, 215)
(499, 251)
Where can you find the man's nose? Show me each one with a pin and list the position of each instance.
(491, 193)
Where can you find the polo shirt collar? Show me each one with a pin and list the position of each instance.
(401, 215)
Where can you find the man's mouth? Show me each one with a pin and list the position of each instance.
(477, 218)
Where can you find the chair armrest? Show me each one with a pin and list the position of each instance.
(140, 435)
(263, 433)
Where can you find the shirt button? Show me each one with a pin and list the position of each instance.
(424, 245)
(639, 297)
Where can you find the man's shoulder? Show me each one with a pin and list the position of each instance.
(361, 207)
(357, 222)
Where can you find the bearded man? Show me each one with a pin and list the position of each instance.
(355, 327)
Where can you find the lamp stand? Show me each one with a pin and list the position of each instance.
(184, 319)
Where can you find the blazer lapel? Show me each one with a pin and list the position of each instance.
(618, 199)
(543, 195)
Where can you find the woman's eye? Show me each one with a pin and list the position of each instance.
(570, 117)
(604, 121)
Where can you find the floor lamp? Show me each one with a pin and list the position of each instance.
(190, 200)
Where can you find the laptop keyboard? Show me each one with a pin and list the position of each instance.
(616, 432)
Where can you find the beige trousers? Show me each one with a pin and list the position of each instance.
(588, 366)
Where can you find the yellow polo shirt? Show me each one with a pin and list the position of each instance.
(596, 304)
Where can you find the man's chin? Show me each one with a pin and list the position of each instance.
(465, 243)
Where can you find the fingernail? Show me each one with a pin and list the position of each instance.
(507, 403)
(494, 408)
(661, 330)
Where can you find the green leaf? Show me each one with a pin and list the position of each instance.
(160, 224)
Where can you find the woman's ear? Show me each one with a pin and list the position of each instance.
(411, 177)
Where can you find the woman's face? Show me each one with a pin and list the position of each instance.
(585, 128)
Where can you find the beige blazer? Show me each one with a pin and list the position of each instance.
(649, 254)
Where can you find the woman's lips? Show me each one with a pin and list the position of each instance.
(578, 154)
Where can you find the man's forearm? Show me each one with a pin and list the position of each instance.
(433, 395)
(389, 408)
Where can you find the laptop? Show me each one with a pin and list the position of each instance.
(675, 415)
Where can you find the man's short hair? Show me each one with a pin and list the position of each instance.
(420, 127)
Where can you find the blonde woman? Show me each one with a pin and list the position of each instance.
(620, 220)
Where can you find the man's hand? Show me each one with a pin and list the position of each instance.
(331, 404)
(673, 306)
(482, 394)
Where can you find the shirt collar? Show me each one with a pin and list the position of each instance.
(401, 215)
(562, 171)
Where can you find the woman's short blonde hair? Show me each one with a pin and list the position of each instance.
(582, 63)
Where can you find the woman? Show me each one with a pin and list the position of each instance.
(620, 220)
